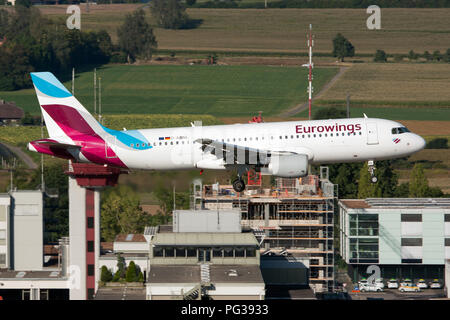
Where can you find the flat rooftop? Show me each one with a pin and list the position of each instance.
(407, 203)
(191, 274)
(26, 275)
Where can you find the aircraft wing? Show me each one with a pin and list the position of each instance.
(234, 154)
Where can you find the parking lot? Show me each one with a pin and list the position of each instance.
(395, 294)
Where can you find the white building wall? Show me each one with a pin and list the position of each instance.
(389, 236)
(131, 247)
(433, 237)
(28, 242)
(77, 235)
(411, 229)
(4, 230)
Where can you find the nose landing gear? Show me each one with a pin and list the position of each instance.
(372, 168)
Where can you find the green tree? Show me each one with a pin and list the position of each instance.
(136, 37)
(380, 56)
(121, 213)
(121, 267)
(418, 183)
(427, 56)
(437, 143)
(446, 56)
(165, 201)
(367, 189)
(437, 56)
(342, 47)
(329, 113)
(402, 191)
(345, 175)
(412, 55)
(169, 14)
(23, 3)
(191, 2)
(106, 275)
(132, 275)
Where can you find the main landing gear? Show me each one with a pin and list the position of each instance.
(372, 168)
(239, 184)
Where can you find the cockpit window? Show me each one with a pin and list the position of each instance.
(400, 130)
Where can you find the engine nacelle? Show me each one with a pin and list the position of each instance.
(289, 166)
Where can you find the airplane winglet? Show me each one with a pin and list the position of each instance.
(365, 116)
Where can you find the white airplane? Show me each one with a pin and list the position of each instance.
(283, 149)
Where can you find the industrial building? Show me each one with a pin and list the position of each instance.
(293, 222)
(406, 238)
(207, 258)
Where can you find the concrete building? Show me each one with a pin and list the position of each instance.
(294, 218)
(192, 265)
(407, 238)
(21, 231)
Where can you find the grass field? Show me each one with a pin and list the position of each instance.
(284, 30)
(215, 90)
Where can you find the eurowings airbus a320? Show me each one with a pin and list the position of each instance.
(283, 149)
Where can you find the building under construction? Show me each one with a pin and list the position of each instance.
(292, 219)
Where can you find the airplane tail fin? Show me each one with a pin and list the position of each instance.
(63, 114)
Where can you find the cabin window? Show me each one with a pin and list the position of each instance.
(132, 145)
(292, 137)
(165, 143)
(137, 145)
(320, 135)
(281, 137)
(314, 135)
(286, 137)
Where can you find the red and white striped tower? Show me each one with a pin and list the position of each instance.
(310, 65)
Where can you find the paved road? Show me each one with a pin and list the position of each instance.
(394, 294)
(300, 107)
(120, 293)
(22, 155)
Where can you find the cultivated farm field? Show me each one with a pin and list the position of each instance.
(283, 30)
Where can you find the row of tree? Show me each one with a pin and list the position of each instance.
(381, 56)
(36, 43)
(323, 4)
(132, 273)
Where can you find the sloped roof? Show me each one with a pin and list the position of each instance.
(130, 238)
(9, 110)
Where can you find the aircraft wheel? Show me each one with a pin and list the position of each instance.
(374, 179)
(238, 185)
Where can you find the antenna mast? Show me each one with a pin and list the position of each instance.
(310, 65)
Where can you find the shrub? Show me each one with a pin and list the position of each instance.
(106, 275)
(438, 143)
(380, 56)
(131, 273)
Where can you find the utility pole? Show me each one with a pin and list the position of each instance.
(73, 81)
(100, 100)
(42, 155)
(348, 105)
(95, 91)
(310, 88)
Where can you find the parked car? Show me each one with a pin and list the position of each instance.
(392, 284)
(370, 288)
(422, 284)
(435, 284)
(408, 288)
(407, 282)
(361, 282)
(379, 283)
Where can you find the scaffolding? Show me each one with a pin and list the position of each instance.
(294, 217)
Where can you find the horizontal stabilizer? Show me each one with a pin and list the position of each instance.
(50, 143)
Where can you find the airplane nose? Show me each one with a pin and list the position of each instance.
(419, 142)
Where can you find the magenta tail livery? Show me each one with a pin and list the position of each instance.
(279, 148)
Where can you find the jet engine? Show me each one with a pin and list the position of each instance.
(289, 166)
